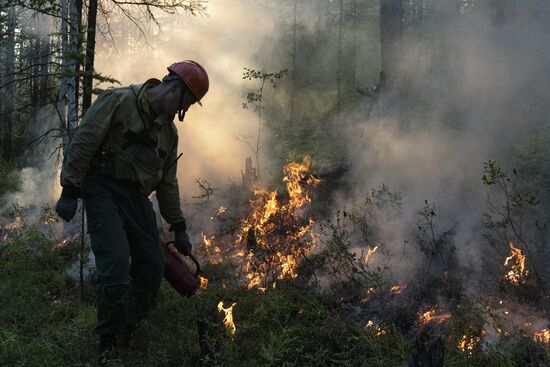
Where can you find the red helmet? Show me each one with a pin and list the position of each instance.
(193, 75)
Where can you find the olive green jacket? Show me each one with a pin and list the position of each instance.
(101, 135)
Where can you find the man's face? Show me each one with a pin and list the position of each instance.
(172, 98)
(178, 98)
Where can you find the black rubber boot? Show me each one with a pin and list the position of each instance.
(127, 335)
(108, 348)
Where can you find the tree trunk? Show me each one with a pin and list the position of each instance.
(339, 69)
(44, 80)
(62, 93)
(294, 48)
(87, 83)
(78, 60)
(499, 12)
(353, 42)
(391, 29)
(7, 128)
(71, 67)
(35, 54)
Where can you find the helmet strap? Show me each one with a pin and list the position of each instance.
(181, 115)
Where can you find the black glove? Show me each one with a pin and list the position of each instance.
(68, 202)
(66, 207)
(182, 242)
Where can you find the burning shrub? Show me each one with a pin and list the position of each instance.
(274, 238)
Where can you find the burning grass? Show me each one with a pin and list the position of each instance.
(297, 297)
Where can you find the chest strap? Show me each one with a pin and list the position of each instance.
(134, 146)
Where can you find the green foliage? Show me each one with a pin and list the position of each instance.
(509, 204)
(255, 96)
(435, 245)
(43, 323)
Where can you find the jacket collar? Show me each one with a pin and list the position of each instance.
(145, 110)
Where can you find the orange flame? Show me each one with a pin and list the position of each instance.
(228, 318)
(16, 224)
(517, 272)
(375, 329)
(542, 337)
(220, 211)
(204, 282)
(273, 239)
(430, 316)
(396, 289)
(468, 344)
(370, 252)
(213, 251)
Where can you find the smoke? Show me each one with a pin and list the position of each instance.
(37, 181)
(474, 91)
(482, 93)
(223, 42)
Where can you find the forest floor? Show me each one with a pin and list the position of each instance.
(44, 322)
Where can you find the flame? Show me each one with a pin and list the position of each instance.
(375, 329)
(288, 267)
(228, 318)
(468, 344)
(517, 272)
(430, 316)
(274, 237)
(61, 244)
(213, 251)
(16, 224)
(370, 252)
(220, 211)
(396, 289)
(542, 337)
(204, 282)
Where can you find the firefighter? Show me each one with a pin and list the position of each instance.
(124, 149)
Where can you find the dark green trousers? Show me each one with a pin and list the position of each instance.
(125, 242)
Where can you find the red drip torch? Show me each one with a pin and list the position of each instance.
(178, 273)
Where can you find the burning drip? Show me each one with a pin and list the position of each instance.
(375, 329)
(515, 263)
(274, 237)
(542, 337)
(228, 318)
(430, 316)
(204, 283)
(220, 211)
(468, 344)
(213, 251)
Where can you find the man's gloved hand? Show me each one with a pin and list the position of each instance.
(182, 242)
(68, 202)
(66, 207)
